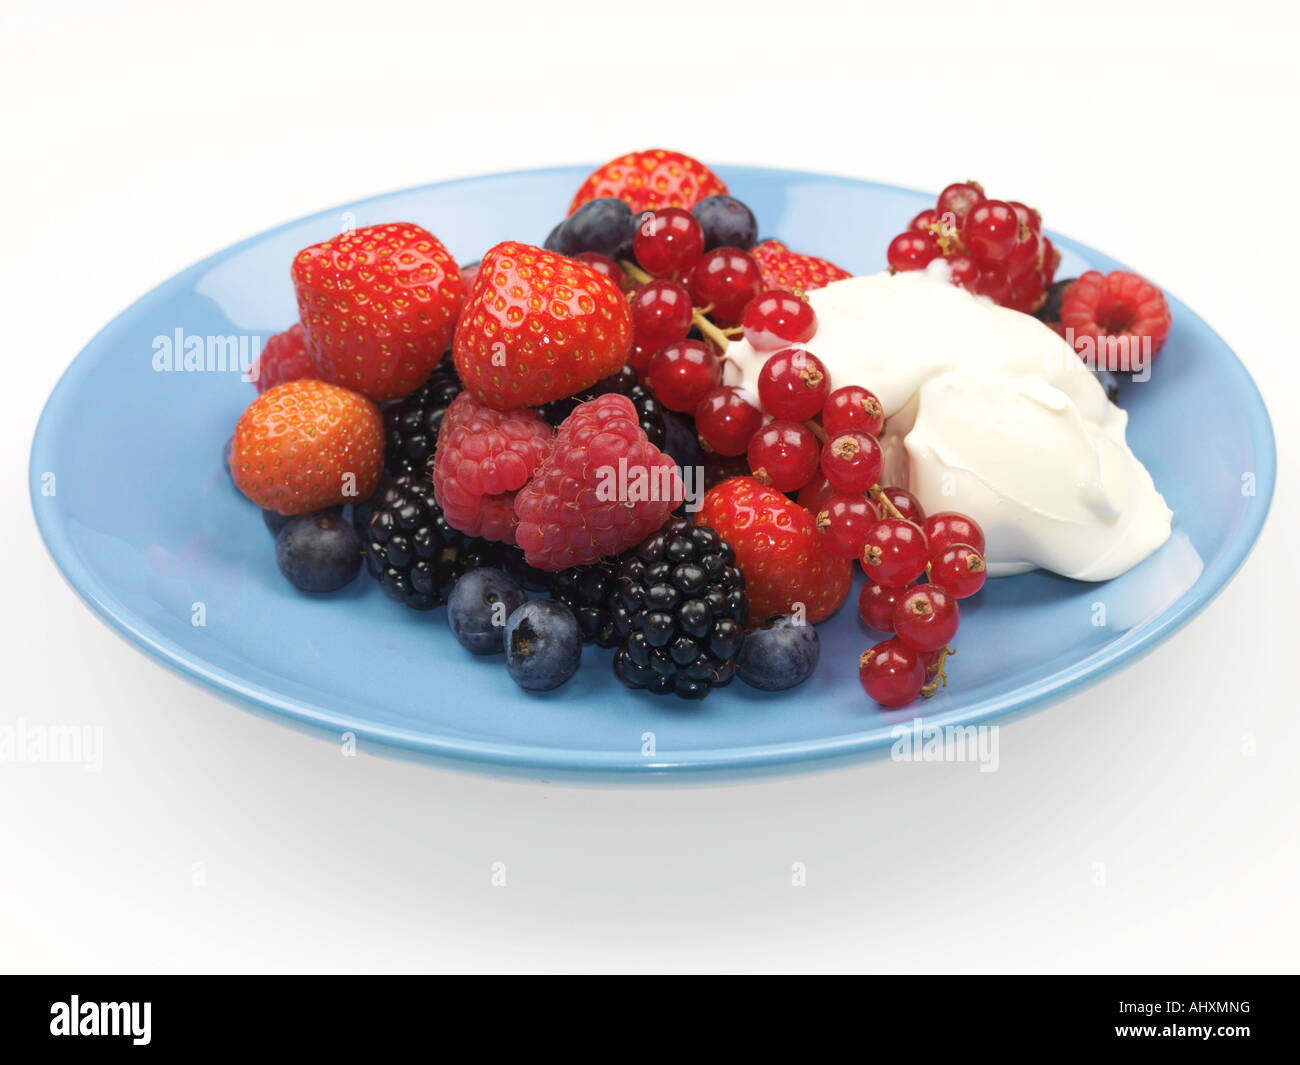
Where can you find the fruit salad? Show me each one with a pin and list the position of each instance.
(658, 438)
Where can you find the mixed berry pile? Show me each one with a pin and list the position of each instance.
(473, 434)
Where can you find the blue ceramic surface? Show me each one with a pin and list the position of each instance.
(145, 524)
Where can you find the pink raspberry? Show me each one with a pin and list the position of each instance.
(484, 456)
(284, 358)
(604, 488)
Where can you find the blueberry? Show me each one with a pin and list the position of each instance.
(1050, 311)
(605, 225)
(275, 521)
(555, 240)
(779, 654)
(478, 606)
(318, 552)
(727, 223)
(543, 645)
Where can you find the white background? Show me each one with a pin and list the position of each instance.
(138, 138)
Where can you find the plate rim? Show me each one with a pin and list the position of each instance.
(791, 754)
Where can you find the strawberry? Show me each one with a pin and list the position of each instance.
(649, 179)
(306, 445)
(538, 326)
(378, 306)
(285, 358)
(778, 550)
(789, 270)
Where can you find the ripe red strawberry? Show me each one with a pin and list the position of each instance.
(305, 445)
(484, 456)
(649, 179)
(778, 550)
(284, 358)
(789, 270)
(539, 326)
(604, 488)
(1109, 315)
(378, 306)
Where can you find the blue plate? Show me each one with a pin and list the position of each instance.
(132, 500)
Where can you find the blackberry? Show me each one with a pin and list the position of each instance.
(681, 611)
(411, 424)
(649, 411)
(1050, 312)
(591, 592)
(412, 551)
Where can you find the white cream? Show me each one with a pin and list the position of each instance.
(991, 414)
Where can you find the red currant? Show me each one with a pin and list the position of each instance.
(602, 264)
(727, 421)
(958, 200)
(639, 358)
(926, 617)
(891, 673)
(905, 503)
(668, 241)
(1027, 292)
(724, 282)
(852, 461)
(949, 527)
(965, 270)
(991, 230)
(793, 384)
(913, 250)
(1024, 256)
(925, 218)
(661, 313)
(843, 522)
(959, 568)
(813, 495)
(783, 455)
(1051, 260)
(776, 319)
(993, 282)
(853, 407)
(876, 605)
(895, 553)
(682, 374)
(1027, 215)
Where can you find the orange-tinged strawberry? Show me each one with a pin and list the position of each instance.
(305, 445)
(539, 326)
(792, 271)
(652, 178)
(378, 305)
(778, 550)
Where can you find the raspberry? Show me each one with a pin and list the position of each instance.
(1110, 315)
(285, 358)
(484, 456)
(604, 488)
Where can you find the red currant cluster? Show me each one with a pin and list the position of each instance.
(899, 550)
(675, 285)
(994, 248)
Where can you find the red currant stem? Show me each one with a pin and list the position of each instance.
(940, 679)
(878, 494)
(635, 272)
(710, 330)
(817, 430)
